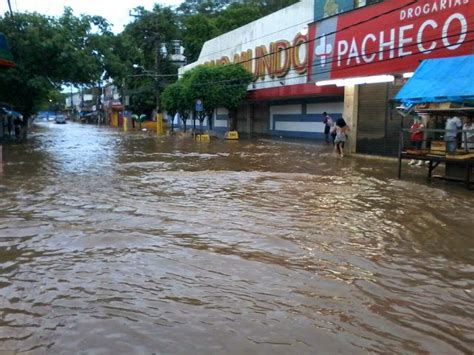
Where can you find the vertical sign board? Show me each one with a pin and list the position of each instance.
(390, 37)
(199, 106)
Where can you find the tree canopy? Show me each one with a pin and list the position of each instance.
(81, 50)
(51, 52)
(216, 86)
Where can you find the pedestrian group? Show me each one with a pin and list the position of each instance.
(335, 132)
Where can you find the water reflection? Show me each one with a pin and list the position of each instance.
(137, 244)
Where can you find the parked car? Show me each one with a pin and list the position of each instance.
(60, 119)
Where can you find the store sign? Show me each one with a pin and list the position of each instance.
(275, 59)
(391, 37)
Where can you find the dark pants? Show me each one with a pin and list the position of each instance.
(326, 133)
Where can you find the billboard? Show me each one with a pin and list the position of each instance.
(326, 8)
(390, 37)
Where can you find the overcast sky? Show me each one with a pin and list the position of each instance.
(115, 11)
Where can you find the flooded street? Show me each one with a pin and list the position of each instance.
(131, 243)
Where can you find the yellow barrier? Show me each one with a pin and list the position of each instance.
(205, 138)
(231, 135)
(125, 124)
(202, 137)
(160, 127)
(149, 125)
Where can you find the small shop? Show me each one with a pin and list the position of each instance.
(6, 61)
(114, 113)
(439, 100)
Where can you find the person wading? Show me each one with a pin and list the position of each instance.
(328, 122)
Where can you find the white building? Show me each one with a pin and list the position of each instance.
(317, 56)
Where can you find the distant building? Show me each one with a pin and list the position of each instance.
(177, 53)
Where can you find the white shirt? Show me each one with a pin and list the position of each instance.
(452, 124)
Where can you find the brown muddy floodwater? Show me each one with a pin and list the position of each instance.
(115, 243)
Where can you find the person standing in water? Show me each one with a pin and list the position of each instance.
(328, 122)
(341, 136)
(416, 138)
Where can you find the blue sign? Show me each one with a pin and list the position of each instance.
(199, 106)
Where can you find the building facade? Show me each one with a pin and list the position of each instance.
(343, 57)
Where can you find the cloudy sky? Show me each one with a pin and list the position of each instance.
(115, 11)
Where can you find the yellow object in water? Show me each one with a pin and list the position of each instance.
(234, 135)
(125, 124)
(160, 127)
(202, 138)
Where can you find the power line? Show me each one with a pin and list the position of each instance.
(326, 34)
(341, 69)
(338, 31)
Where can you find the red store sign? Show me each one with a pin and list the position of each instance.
(390, 37)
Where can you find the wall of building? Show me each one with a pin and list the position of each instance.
(390, 37)
(221, 117)
(301, 120)
(378, 123)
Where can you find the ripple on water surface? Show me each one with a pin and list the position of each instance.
(136, 244)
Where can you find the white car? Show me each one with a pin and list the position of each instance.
(60, 119)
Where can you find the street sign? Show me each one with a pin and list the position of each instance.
(199, 106)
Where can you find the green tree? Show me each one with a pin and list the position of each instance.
(50, 52)
(203, 20)
(170, 100)
(197, 29)
(149, 36)
(218, 86)
(202, 87)
(232, 88)
(237, 15)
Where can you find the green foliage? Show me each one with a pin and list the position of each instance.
(237, 15)
(217, 86)
(204, 20)
(232, 86)
(196, 30)
(50, 52)
(171, 98)
(81, 50)
(149, 31)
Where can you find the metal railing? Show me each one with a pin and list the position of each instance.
(435, 135)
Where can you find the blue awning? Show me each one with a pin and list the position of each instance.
(6, 58)
(440, 80)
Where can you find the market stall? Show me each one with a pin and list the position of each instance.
(441, 91)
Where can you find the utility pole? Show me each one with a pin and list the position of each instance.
(72, 104)
(10, 7)
(157, 83)
(99, 106)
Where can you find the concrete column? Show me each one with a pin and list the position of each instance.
(350, 114)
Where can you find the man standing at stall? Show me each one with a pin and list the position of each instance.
(453, 124)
